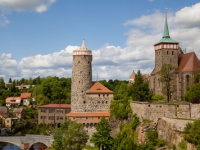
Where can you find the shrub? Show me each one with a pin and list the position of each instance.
(157, 97)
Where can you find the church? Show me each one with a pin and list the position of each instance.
(168, 51)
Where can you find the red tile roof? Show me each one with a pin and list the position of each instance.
(188, 62)
(25, 95)
(13, 100)
(132, 75)
(145, 76)
(56, 106)
(153, 72)
(88, 114)
(98, 88)
(3, 115)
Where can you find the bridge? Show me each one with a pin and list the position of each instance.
(27, 141)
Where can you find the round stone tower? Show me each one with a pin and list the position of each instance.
(81, 77)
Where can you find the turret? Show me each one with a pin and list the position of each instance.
(81, 77)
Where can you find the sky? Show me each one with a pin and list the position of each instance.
(37, 37)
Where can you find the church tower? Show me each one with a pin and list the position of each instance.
(81, 77)
(166, 50)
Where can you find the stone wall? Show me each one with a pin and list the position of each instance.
(154, 111)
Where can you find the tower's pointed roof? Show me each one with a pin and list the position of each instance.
(166, 30)
(83, 46)
(166, 37)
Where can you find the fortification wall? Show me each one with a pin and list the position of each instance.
(154, 111)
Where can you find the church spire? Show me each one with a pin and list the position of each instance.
(166, 30)
(166, 38)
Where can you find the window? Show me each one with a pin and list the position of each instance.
(51, 117)
(172, 52)
(187, 79)
(59, 111)
(43, 110)
(59, 117)
(167, 52)
(43, 117)
(51, 111)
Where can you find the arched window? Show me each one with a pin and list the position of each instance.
(187, 78)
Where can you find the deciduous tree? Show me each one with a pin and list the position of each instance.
(193, 92)
(70, 136)
(167, 78)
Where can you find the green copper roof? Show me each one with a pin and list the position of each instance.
(166, 38)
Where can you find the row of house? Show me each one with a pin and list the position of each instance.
(6, 120)
(23, 99)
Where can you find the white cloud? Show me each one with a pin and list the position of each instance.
(113, 62)
(188, 16)
(26, 5)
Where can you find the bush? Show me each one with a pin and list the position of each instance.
(152, 135)
(182, 145)
(157, 97)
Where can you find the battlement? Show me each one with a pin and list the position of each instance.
(82, 52)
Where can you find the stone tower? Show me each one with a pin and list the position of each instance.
(81, 77)
(166, 50)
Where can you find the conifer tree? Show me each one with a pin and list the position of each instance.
(102, 137)
(139, 91)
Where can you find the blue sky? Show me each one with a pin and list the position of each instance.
(37, 36)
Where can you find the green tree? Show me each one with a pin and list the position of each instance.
(70, 136)
(197, 76)
(126, 138)
(120, 109)
(193, 92)
(102, 135)
(139, 90)
(121, 90)
(10, 80)
(192, 133)
(2, 83)
(167, 78)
